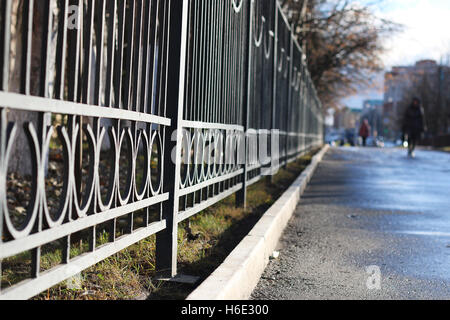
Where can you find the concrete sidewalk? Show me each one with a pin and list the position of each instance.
(372, 224)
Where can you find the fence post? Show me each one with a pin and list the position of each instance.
(304, 111)
(5, 44)
(274, 93)
(167, 240)
(289, 105)
(241, 195)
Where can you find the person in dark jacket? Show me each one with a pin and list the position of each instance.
(413, 125)
(364, 131)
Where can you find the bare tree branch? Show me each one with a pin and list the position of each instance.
(344, 42)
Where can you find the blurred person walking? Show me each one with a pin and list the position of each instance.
(413, 125)
(364, 131)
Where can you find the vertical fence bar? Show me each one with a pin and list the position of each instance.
(129, 21)
(3, 174)
(111, 27)
(274, 93)
(289, 105)
(166, 241)
(99, 29)
(119, 54)
(61, 50)
(6, 45)
(43, 117)
(88, 46)
(241, 196)
(27, 34)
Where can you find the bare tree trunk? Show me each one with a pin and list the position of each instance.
(20, 161)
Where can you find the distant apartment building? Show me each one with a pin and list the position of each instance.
(347, 118)
(426, 80)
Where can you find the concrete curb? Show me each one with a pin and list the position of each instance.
(239, 274)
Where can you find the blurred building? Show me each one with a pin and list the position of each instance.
(426, 80)
(372, 104)
(347, 118)
(346, 121)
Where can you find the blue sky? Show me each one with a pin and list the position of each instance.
(426, 35)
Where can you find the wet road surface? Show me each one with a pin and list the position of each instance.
(373, 224)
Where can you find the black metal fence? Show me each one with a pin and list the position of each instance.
(121, 119)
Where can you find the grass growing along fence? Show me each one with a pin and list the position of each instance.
(130, 274)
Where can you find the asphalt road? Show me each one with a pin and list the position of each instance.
(372, 224)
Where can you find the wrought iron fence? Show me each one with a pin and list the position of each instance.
(121, 119)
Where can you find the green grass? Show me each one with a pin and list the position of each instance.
(131, 272)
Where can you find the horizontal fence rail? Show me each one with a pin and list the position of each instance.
(121, 119)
